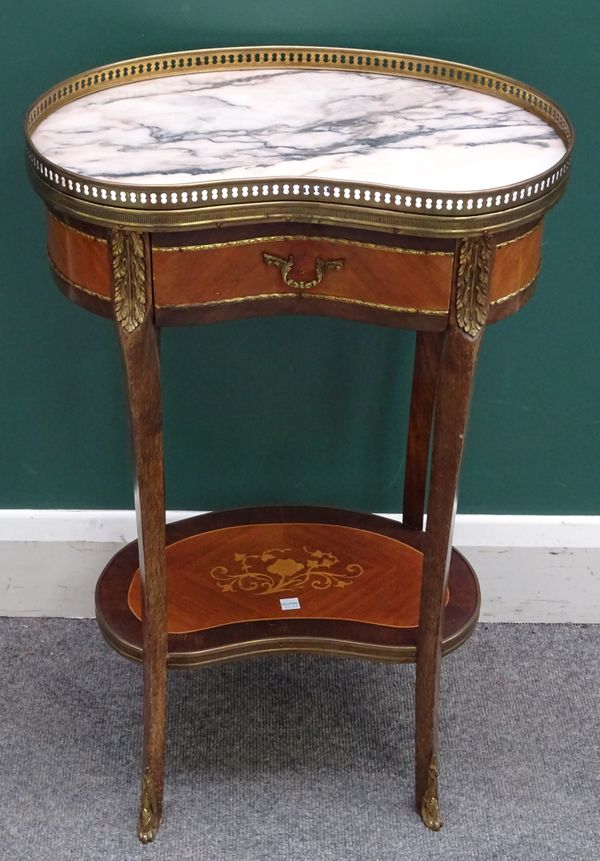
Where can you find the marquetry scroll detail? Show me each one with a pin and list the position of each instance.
(277, 570)
(430, 806)
(473, 283)
(129, 278)
(149, 810)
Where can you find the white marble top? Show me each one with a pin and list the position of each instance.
(322, 124)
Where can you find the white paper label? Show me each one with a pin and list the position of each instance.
(289, 603)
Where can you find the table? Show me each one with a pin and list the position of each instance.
(200, 186)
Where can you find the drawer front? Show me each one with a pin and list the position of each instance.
(338, 270)
(326, 273)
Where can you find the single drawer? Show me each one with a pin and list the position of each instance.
(339, 270)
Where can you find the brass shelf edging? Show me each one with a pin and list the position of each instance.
(309, 645)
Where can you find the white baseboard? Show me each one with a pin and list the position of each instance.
(54, 524)
(531, 568)
(472, 530)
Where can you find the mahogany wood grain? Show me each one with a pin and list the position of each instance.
(453, 397)
(367, 587)
(382, 613)
(241, 574)
(81, 268)
(386, 642)
(90, 301)
(388, 278)
(80, 258)
(139, 348)
(206, 313)
(516, 265)
(426, 362)
(503, 308)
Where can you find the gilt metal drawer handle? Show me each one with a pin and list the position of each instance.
(286, 264)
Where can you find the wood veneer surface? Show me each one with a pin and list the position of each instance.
(123, 630)
(385, 277)
(79, 258)
(242, 573)
(381, 278)
(516, 264)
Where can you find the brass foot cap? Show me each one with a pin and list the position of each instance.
(150, 810)
(147, 835)
(430, 806)
(430, 815)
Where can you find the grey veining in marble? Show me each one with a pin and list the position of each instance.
(322, 124)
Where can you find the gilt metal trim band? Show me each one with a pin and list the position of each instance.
(333, 240)
(74, 284)
(498, 302)
(344, 300)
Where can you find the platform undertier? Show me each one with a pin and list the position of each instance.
(306, 579)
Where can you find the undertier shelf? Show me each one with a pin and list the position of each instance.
(304, 579)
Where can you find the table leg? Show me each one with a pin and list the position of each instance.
(427, 356)
(138, 338)
(458, 359)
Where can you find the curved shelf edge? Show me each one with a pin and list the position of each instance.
(338, 637)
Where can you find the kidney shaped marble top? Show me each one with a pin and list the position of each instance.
(321, 124)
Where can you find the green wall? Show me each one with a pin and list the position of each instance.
(293, 409)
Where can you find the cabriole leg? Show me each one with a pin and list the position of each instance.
(458, 359)
(427, 356)
(138, 338)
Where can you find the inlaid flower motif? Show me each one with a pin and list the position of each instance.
(276, 570)
(285, 567)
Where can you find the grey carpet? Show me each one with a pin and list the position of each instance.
(297, 758)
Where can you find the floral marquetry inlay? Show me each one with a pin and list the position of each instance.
(241, 572)
(281, 569)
